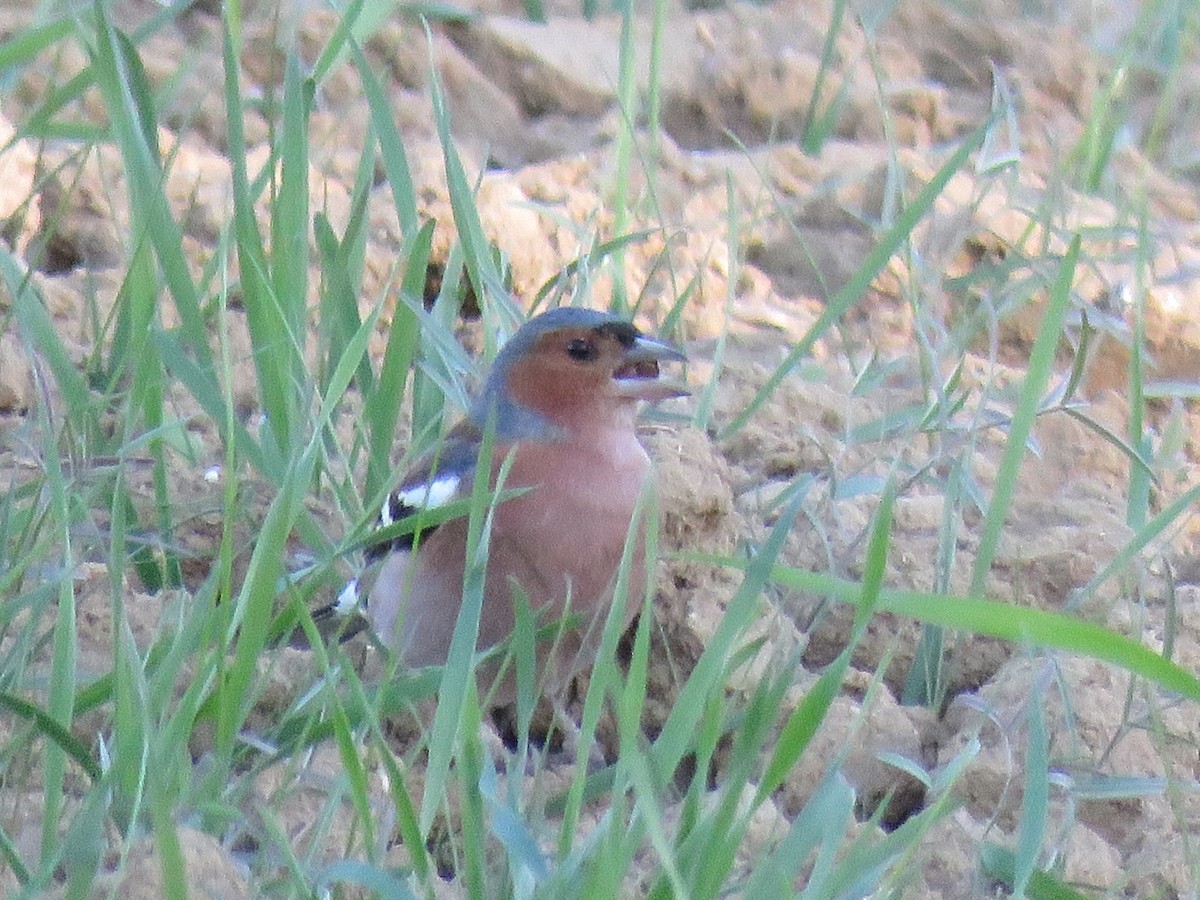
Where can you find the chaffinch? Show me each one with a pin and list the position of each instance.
(564, 393)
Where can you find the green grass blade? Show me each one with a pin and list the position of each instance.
(404, 336)
(335, 47)
(17, 47)
(53, 731)
(823, 821)
(499, 311)
(170, 851)
(129, 737)
(1011, 623)
(12, 858)
(290, 226)
(458, 675)
(123, 85)
(802, 725)
(356, 772)
(1140, 479)
(37, 328)
(818, 127)
(1000, 863)
(378, 882)
(339, 305)
(925, 681)
(1037, 376)
(82, 849)
(708, 397)
(605, 680)
(391, 148)
(675, 737)
(29, 43)
(1036, 799)
(856, 287)
(627, 103)
(469, 775)
(252, 609)
(264, 314)
(60, 705)
(251, 617)
(202, 384)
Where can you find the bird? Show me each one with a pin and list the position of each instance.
(561, 399)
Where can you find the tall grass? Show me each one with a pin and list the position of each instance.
(182, 732)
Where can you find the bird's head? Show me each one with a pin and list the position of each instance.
(570, 366)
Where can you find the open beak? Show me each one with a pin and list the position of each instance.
(638, 376)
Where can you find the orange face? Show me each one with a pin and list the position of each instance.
(567, 370)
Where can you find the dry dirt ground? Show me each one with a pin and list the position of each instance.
(533, 107)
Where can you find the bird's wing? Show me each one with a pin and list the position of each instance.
(439, 477)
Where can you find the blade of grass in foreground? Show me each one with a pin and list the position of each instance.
(290, 227)
(124, 86)
(391, 148)
(1037, 376)
(1000, 863)
(821, 826)
(60, 704)
(803, 723)
(1036, 797)
(27, 44)
(856, 287)
(1002, 620)
(634, 768)
(382, 407)
(130, 737)
(379, 882)
(251, 618)
(627, 103)
(458, 674)
(275, 345)
(1138, 502)
(1165, 518)
(924, 681)
(483, 272)
(52, 731)
(252, 609)
(37, 327)
(715, 840)
(676, 736)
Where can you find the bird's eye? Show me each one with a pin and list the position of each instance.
(582, 350)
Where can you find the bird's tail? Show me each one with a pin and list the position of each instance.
(337, 621)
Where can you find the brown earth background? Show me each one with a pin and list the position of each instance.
(533, 109)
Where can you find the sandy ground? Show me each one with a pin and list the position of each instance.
(533, 106)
